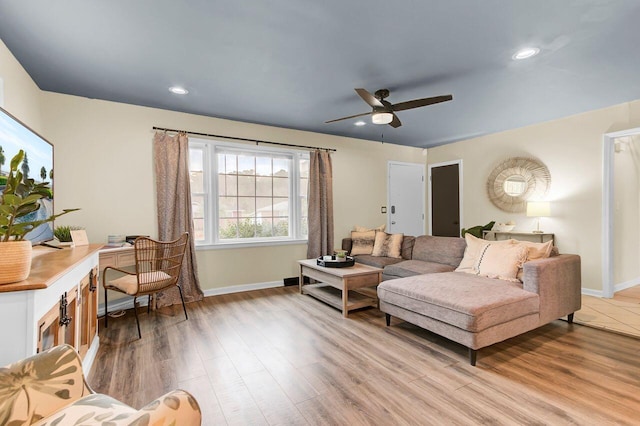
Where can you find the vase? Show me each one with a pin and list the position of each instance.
(15, 261)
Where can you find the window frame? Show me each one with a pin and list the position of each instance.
(210, 150)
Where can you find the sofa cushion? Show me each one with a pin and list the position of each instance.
(408, 268)
(362, 242)
(389, 245)
(407, 246)
(377, 261)
(445, 250)
(466, 301)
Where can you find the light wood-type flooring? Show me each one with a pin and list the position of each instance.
(274, 357)
(621, 314)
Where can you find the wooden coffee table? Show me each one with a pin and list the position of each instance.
(357, 277)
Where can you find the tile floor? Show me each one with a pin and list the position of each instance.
(620, 314)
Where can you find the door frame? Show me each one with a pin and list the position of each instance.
(608, 141)
(423, 192)
(460, 187)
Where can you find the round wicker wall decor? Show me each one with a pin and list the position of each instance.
(516, 180)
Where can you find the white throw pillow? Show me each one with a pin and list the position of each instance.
(501, 261)
(474, 247)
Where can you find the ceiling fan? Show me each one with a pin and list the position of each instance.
(384, 112)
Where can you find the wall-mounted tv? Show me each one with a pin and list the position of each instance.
(37, 164)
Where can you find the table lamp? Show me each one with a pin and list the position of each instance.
(538, 209)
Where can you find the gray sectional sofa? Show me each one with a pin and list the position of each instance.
(475, 311)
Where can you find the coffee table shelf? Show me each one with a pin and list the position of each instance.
(337, 286)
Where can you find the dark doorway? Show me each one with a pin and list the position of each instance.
(445, 200)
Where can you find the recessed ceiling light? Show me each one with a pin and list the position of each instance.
(359, 123)
(525, 53)
(178, 90)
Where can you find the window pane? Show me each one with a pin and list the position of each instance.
(246, 228)
(264, 227)
(304, 187)
(227, 185)
(227, 207)
(246, 165)
(264, 186)
(246, 185)
(281, 227)
(280, 187)
(228, 228)
(246, 206)
(263, 166)
(280, 206)
(281, 167)
(196, 180)
(228, 163)
(304, 168)
(197, 207)
(265, 207)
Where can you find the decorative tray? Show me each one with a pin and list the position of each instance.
(334, 262)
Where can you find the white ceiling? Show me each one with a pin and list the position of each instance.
(295, 63)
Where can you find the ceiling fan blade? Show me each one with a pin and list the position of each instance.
(417, 103)
(395, 122)
(369, 98)
(346, 118)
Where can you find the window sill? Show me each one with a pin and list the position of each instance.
(236, 245)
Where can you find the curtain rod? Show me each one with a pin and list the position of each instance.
(257, 141)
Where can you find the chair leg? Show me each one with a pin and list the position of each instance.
(135, 312)
(106, 308)
(183, 306)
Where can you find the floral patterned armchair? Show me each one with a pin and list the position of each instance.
(49, 389)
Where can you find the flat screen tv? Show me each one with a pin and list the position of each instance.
(37, 164)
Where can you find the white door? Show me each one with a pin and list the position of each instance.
(405, 198)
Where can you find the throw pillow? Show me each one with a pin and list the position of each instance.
(501, 261)
(362, 242)
(387, 245)
(535, 251)
(471, 253)
(365, 229)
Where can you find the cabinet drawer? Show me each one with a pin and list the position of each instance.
(126, 259)
(108, 260)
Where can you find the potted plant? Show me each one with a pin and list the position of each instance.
(63, 234)
(21, 196)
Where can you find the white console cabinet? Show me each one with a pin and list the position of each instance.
(56, 304)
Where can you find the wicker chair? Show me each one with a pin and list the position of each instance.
(158, 265)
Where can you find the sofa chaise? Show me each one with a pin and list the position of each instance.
(427, 287)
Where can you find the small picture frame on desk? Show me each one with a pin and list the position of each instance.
(79, 237)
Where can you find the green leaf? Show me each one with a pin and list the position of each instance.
(11, 200)
(17, 159)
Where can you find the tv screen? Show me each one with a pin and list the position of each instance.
(37, 164)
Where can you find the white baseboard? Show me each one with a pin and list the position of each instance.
(127, 303)
(627, 284)
(590, 292)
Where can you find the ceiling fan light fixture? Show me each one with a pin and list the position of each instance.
(178, 90)
(381, 117)
(525, 53)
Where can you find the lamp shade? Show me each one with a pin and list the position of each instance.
(538, 208)
(381, 118)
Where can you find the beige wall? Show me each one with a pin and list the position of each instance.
(572, 150)
(21, 95)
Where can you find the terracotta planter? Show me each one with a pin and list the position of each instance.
(15, 261)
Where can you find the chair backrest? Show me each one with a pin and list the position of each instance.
(158, 263)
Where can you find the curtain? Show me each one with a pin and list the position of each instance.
(173, 193)
(320, 205)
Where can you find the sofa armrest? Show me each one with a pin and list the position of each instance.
(177, 407)
(36, 387)
(558, 282)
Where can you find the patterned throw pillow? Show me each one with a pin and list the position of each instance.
(501, 261)
(362, 242)
(388, 245)
(471, 253)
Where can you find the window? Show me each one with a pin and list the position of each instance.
(244, 194)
